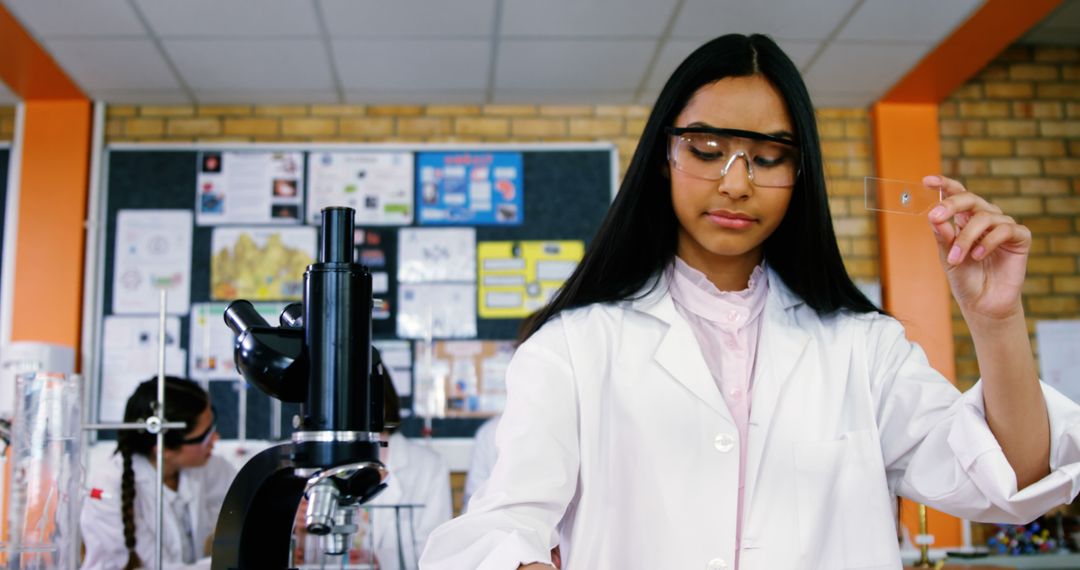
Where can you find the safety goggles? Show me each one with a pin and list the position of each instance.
(204, 436)
(708, 153)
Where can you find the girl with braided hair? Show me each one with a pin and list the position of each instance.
(119, 519)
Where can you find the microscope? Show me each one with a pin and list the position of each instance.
(320, 355)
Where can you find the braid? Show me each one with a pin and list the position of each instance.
(127, 508)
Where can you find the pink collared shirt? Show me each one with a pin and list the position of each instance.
(726, 325)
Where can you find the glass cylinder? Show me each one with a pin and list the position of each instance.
(46, 472)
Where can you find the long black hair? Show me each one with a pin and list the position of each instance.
(639, 235)
(185, 401)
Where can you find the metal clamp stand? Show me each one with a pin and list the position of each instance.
(155, 424)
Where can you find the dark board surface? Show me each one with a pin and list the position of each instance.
(5, 156)
(566, 196)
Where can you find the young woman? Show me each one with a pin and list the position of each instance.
(710, 390)
(118, 520)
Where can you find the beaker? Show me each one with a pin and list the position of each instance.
(46, 472)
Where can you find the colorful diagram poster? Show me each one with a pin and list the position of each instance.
(471, 375)
(378, 185)
(260, 264)
(518, 277)
(153, 252)
(211, 344)
(470, 188)
(376, 248)
(249, 188)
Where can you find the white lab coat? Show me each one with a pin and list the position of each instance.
(201, 491)
(418, 476)
(617, 446)
(482, 460)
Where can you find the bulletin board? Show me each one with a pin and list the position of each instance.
(567, 190)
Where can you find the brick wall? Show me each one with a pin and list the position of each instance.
(1012, 134)
(7, 123)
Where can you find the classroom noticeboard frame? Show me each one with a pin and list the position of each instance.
(585, 172)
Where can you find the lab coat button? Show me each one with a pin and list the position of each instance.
(724, 443)
(717, 564)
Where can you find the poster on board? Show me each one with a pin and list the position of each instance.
(1059, 359)
(470, 188)
(211, 343)
(436, 310)
(260, 263)
(249, 188)
(377, 185)
(519, 277)
(427, 255)
(130, 356)
(472, 374)
(153, 252)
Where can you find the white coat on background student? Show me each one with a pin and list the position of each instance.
(416, 501)
(195, 486)
(482, 460)
(710, 390)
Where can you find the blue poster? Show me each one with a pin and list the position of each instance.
(469, 188)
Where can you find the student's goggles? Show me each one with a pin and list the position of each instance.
(708, 153)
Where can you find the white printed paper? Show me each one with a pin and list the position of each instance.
(436, 310)
(428, 255)
(249, 188)
(377, 185)
(1059, 355)
(153, 252)
(212, 344)
(130, 356)
(397, 358)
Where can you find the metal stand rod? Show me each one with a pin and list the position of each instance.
(156, 424)
(161, 433)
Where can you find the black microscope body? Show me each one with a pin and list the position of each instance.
(319, 356)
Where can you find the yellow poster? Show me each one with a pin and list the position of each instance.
(518, 277)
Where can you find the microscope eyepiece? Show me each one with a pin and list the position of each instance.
(241, 316)
(337, 237)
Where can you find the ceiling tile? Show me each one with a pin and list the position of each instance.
(122, 63)
(565, 96)
(141, 96)
(251, 64)
(265, 96)
(419, 96)
(6, 96)
(862, 67)
(231, 18)
(916, 21)
(782, 19)
(45, 18)
(412, 64)
(595, 18)
(675, 51)
(418, 18)
(572, 64)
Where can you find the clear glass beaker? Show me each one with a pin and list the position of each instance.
(46, 472)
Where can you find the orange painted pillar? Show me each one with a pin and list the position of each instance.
(914, 288)
(54, 173)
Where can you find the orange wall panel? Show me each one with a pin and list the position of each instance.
(47, 299)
